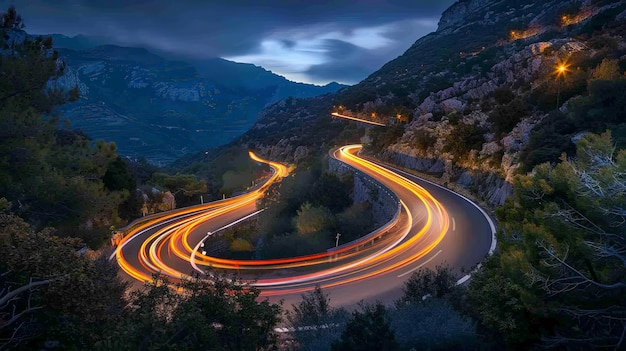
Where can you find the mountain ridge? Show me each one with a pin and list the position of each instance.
(445, 84)
(162, 109)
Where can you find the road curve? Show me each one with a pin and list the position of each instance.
(435, 226)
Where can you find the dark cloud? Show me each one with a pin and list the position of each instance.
(202, 29)
(339, 50)
(350, 61)
(288, 43)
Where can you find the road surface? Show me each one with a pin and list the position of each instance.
(434, 226)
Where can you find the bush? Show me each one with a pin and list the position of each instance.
(424, 139)
(506, 116)
(463, 138)
(503, 95)
(433, 325)
(312, 219)
(240, 244)
(385, 136)
(356, 221)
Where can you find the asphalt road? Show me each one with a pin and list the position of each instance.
(435, 227)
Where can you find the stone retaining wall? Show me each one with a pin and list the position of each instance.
(367, 189)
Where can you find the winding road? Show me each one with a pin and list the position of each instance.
(433, 226)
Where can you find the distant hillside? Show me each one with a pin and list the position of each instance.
(249, 76)
(476, 101)
(163, 109)
(78, 42)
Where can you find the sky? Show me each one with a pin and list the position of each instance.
(311, 41)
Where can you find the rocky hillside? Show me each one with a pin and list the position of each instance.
(163, 109)
(477, 99)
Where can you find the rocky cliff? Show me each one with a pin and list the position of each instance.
(459, 12)
(474, 93)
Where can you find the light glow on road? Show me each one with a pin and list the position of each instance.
(170, 244)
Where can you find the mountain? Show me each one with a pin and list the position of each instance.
(249, 76)
(477, 99)
(162, 109)
(77, 42)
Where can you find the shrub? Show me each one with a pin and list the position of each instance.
(463, 138)
(505, 117)
(424, 139)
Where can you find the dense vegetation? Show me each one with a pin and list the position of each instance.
(427, 316)
(53, 295)
(558, 279)
(560, 260)
(311, 208)
(53, 175)
(60, 190)
(602, 108)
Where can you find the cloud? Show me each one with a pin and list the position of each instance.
(303, 40)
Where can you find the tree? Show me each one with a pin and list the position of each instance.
(463, 138)
(75, 297)
(505, 117)
(503, 95)
(186, 184)
(196, 313)
(562, 253)
(425, 316)
(356, 221)
(367, 329)
(606, 70)
(118, 177)
(53, 174)
(426, 283)
(433, 324)
(312, 219)
(11, 20)
(385, 136)
(329, 191)
(315, 322)
(496, 301)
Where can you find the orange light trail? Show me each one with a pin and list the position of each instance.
(358, 119)
(421, 225)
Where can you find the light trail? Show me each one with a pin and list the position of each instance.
(170, 242)
(335, 114)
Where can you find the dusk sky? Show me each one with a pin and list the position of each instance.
(305, 41)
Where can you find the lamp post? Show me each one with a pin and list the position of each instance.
(561, 69)
(337, 241)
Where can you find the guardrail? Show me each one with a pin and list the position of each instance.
(373, 234)
(200, 207)
(376, 232)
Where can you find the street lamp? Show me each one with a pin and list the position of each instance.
(561, 69)
(337, 241)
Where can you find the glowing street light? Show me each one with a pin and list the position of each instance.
(561, 70)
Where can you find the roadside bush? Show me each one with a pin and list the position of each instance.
(506, 116)
(463, 138)
(424, 139)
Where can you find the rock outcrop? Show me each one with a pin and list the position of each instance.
(450, 80)
(459, 12)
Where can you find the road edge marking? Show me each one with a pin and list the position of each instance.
(492, 225)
